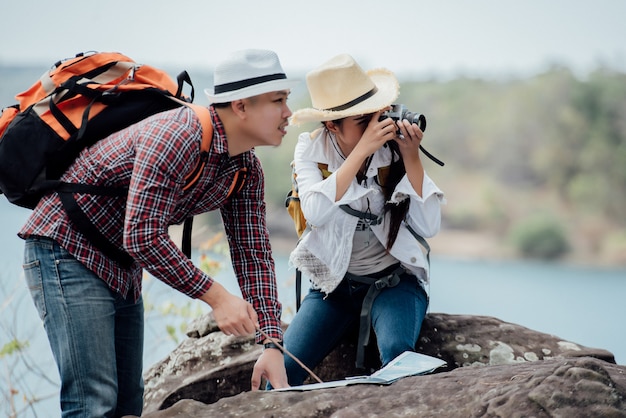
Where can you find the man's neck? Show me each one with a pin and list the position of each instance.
(236, 138)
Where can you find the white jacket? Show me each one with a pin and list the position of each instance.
(323, 254)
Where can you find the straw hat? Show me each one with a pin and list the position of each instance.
(340, 88)
(248, 73)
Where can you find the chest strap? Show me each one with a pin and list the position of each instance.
(366, 216)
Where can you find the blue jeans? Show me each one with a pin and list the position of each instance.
(322, 321)
(95, 334)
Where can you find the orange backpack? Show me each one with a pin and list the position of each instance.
(78, 102)
(73, 105)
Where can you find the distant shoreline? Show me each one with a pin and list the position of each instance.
(466, 245)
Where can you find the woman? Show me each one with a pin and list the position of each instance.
(364, 193)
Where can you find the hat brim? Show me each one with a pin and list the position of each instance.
(388, 91)
(255, 90)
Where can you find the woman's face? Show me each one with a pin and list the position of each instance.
(349, 130)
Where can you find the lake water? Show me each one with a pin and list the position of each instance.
(580, 304)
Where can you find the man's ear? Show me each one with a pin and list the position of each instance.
(238, 107)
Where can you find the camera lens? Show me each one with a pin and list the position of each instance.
(420, 120)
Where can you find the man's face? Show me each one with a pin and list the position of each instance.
(268, 117)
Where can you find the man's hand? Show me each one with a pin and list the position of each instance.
(271, 366)
(234, 316)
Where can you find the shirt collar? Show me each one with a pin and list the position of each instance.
(220, 144)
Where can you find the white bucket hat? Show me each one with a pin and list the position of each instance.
(340, 88)
(247, 73)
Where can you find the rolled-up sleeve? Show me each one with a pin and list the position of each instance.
(424, 214)
(318, 195)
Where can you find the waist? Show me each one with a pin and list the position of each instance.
(376, 275)
(40, 239)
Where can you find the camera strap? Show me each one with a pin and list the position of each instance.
(432, 157)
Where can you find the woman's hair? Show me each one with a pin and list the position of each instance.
(399, 210)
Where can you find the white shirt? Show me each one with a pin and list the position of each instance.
(324, 253)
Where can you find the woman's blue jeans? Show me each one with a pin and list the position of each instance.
(322, 321)
(95, 334)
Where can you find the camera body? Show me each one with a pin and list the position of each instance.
(399, 112)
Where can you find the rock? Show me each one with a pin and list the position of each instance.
(464, 340)
(207, 373)
(580, 387)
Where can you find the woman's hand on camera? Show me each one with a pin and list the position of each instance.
(376, 134)
(409, 139)
(408, 142)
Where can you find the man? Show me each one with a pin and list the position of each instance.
(91, 306)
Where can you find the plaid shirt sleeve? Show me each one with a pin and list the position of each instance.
(244, 218)
(152, 158)
(164, 152)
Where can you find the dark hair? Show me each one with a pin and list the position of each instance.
(397, 211)
(221, 105)
(226, 105)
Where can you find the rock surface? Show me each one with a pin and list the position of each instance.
(528, 374)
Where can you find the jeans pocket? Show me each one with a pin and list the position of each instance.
(32, 273)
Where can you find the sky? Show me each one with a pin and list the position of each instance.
(413, 38)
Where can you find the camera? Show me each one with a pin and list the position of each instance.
(399, 112)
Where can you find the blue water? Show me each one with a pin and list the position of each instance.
(580, 304)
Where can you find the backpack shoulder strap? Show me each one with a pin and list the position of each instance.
(207, 137)
(366, 216)
(205, 121)
(421, 240)
(86, 226)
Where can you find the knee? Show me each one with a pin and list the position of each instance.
(392, 348)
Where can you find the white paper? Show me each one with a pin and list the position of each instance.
(406, 364)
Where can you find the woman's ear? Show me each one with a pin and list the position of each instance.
(331, 126)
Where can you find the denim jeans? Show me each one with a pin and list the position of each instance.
(95, 334)
(322, 321)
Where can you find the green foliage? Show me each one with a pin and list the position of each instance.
(549, 132)
(277, 169)
(276, 161)
(463, 219)
(177, 315)
(554, 135)
(12, 347)
(540, 236)
(171, 331)
(614, 246)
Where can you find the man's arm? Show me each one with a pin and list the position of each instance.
(164, 152)
(244, 218)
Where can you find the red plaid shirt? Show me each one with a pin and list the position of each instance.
(152, 158)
